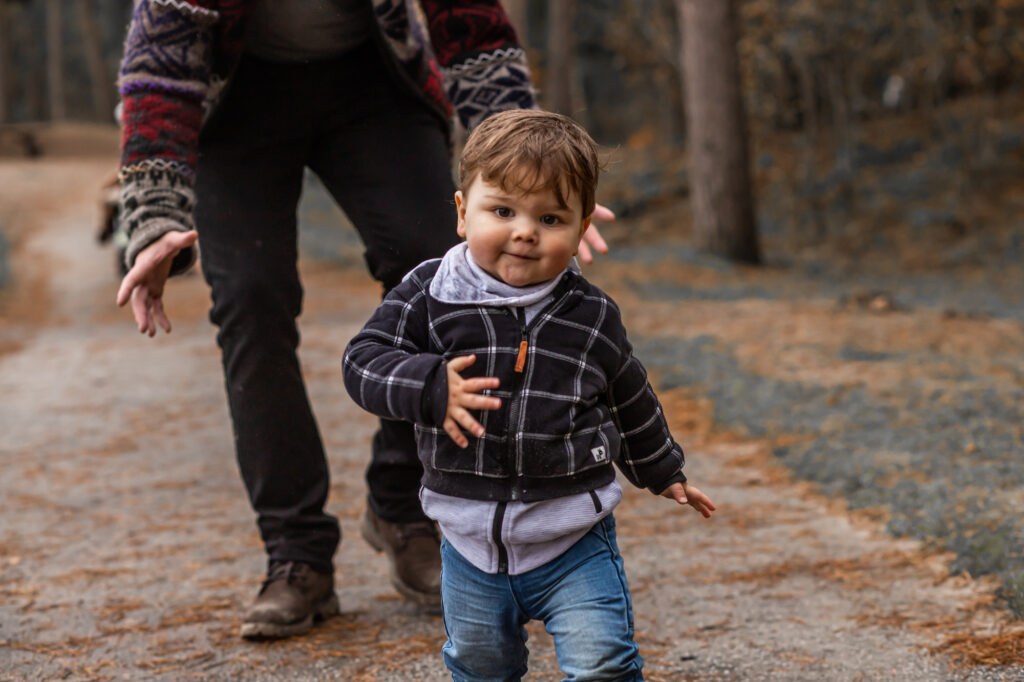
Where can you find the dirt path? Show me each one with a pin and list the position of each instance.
(127, 548)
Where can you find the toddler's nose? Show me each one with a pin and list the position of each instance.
(524, 229)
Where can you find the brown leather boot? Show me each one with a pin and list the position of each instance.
(414, 550)
(291, 598)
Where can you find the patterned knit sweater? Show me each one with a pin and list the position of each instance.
(179, 54)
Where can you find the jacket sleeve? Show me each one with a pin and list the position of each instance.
(649, 456)
(164, 78)
(386, 367)
(482, 63)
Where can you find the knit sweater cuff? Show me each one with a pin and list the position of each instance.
(156, 200)
(471, 87)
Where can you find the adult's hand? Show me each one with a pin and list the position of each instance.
(144, 283)
(592, 238)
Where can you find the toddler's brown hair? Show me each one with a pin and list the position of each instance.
(528, 150)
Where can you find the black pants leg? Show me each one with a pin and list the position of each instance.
(274, 121)
(385, 159)
(251, 160)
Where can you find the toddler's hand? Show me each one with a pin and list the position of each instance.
(684, 493)
(463, 395)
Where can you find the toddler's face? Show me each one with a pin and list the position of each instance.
(520, 239)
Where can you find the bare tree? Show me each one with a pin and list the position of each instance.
(98, 80)
(558, 78)
(516, 11)
(723, 205)
(55, 61)
(5, 64)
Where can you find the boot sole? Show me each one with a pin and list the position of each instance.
(322, 611)
(426, 600)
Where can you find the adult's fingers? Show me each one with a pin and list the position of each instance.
(593, 237)
(161, 316)
(603, 213)
(129, 283)
(181, 240)
(585, 255)
(151, 259)
(140, 308)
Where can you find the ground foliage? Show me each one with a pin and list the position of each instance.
(916, 249)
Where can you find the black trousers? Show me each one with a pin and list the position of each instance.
(384, 157)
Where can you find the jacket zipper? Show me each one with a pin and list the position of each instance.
(513, 418)
(513, 410)
(499, 519)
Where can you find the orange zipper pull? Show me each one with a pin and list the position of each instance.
(521, 358)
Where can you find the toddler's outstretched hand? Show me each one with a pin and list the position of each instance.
(463, 395)
(684, 493)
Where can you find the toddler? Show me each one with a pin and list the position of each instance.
(524, 391)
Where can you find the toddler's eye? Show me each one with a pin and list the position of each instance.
(550, 220)
(503, 212)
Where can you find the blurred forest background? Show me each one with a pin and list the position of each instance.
(886, 151)
(872, 123)
(807, 64)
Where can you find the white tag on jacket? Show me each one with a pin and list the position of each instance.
(599, 453)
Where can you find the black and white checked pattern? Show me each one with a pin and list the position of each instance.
(581, 402)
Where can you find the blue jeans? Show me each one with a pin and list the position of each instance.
(582, 598)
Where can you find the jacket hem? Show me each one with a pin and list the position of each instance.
(524, 489)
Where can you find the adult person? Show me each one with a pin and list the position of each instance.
(226, 102)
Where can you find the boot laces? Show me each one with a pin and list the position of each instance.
(286, 570)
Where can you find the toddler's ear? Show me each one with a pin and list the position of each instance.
(579, 241)
(460, 209)
(585, 225)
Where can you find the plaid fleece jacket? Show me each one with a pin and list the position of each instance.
(178, 55)
(573, 398)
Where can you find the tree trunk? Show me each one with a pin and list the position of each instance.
(5, 65)
(99, 81)
(516, 11)
(560, 44)
(55, 61)
(723, 207)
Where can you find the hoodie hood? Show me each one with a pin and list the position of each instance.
(459, 280)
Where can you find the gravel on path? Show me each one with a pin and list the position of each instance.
(128, 551)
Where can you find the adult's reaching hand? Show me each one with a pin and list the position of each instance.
(144, 283)
(592, 238)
